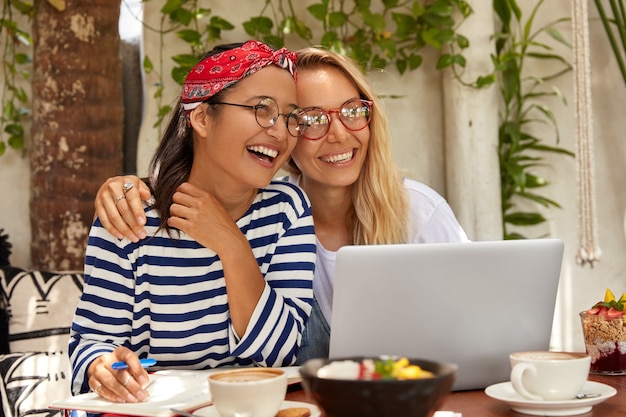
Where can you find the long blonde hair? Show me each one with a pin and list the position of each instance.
(380, 204)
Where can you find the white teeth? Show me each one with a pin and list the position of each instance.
(339, 158)
(272, 153)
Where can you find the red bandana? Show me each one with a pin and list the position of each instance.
(219, 71)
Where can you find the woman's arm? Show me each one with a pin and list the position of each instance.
(278, 245)
(200, 215)
(104, 315)
(275, 329)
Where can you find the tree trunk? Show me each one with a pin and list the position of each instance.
(77, 125)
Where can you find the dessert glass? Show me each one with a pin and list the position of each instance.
(605, 342)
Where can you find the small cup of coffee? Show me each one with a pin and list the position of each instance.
(549, 376)
(251, 392)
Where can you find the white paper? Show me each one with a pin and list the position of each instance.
(165, 392)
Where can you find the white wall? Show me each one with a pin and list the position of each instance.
(583, 286)
(14, 211)
(418, 123)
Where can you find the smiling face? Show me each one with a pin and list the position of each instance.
(231, 150)
(336, 159)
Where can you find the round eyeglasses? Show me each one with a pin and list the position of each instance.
(266, 114)
(355, 114)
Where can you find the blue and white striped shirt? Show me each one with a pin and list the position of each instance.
(166, 297)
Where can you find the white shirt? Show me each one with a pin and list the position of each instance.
(431, 221)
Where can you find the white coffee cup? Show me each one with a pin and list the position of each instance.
(549, 376)
(248, 392)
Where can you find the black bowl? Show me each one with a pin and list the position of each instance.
(379, 398)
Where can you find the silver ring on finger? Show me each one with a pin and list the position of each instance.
(119, 198)
(96, 389)
(127, 380)
(127, 186)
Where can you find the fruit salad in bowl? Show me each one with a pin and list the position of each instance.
(373, 368)
(604, 329)
(378, 386)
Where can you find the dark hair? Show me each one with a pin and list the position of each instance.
(172, 161)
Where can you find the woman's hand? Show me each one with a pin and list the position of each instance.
(200, 215)
(118, 205)
(124, 386)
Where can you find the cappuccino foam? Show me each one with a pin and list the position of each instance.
(246, 375)
(548, 356)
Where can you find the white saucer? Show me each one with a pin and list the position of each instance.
(505, 392)
(210, 411)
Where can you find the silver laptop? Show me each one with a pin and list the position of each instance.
(466, 303)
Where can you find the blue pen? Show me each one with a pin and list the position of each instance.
(118, 366)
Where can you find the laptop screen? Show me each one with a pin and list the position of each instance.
(471, 304)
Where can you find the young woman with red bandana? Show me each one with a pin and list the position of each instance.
(224, 276)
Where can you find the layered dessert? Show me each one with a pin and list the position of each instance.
(604, 329)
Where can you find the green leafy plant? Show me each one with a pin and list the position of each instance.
(197, 27)
(614, 22)
(16, 47)
(524, 98)
(395, 35)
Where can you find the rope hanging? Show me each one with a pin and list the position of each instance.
(588, 251)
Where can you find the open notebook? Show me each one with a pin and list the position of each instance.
(185, 392)
(466, 303)
(180, 389)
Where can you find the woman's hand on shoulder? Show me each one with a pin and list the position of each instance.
(119, 206)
